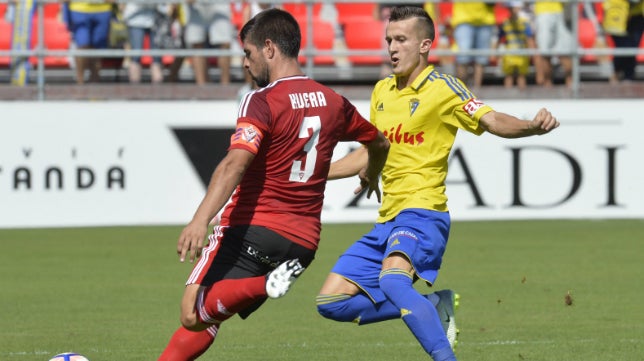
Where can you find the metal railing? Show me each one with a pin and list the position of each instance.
(40, 52)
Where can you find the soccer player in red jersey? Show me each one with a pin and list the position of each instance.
(274, 174)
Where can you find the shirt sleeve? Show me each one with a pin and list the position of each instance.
(247, 136)
(252, 125)
(359, 128)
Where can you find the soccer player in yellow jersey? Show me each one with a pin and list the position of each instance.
(420, 110)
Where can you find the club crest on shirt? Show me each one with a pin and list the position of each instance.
(472, 106)
(249, 134)
(413, 105)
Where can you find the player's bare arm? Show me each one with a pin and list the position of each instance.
(369, 176)
(508, 126)
(224, 179)
(349, 165)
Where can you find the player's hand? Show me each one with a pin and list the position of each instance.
(191, 241)
(543, 122)
(372, 185)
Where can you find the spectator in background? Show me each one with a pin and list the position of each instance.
(624, 21)
(208, 24)
(552, 34)
(515, 33)
(89, 23)
(473, 24)
(141, 20)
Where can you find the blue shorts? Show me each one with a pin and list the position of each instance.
(419, 234)
(90, 29)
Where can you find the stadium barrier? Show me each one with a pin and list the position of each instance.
(40, 52)
(148, 163)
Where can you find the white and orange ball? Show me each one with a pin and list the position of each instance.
(69, 356)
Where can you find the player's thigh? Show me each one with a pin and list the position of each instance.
(335, 284)
(190, 297)
(250, 251)
(360, 265)
(421, 236)
(189, 316)
(397, 261)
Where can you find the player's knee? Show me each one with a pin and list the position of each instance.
(189, 320)
(336, 311)
(394, 283)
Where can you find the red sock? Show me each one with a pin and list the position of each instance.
(186, 345)
(227, 297)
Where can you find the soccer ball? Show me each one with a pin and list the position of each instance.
(69, 356)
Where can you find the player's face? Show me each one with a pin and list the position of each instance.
(405, 44)
(256, 65)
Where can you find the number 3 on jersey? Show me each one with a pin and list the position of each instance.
(310, 128)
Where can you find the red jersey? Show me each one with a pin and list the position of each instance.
(292, 127)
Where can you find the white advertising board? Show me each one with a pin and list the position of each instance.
(131, 163)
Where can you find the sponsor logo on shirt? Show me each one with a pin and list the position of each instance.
(472, 106)
(395, 135)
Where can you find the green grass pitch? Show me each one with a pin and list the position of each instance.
(113, 294)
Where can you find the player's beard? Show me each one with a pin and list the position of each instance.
(262, 78)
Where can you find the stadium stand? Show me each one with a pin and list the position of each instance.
(361, 31)
(587, 36)
(299, 11)
(323, 39)
(357, 38)
(56, 37)
(51, 10)
(350, 12)
(5, 41)
(146, 60)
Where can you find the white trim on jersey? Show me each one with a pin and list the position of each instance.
(243, 105)
(203, 260)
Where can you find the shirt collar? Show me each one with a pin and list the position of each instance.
(420, 80)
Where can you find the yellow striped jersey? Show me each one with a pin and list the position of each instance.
(421, 122)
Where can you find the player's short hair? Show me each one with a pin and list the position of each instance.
(407, 12)
(277, 25)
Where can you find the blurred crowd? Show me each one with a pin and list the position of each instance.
(510, 27)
